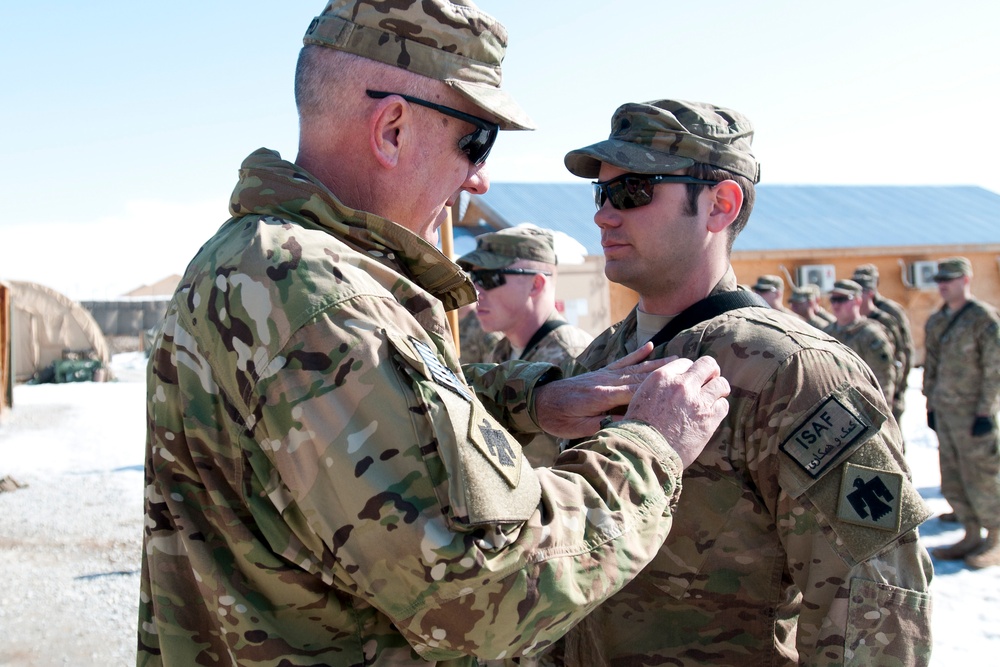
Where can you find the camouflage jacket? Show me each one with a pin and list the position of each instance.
(560, 348)
(795, 540)
(870, 341)
(322, 485)
(962, 364)
(898, 313)
(477, 345)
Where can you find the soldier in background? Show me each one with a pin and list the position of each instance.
(804, 302)
(866, 337)
(962, 386)
(795, 540)
(323, 483)
(476, 344)
(514, 271)
(772, 290)
(893, 317)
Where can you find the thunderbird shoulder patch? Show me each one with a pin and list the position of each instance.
(870, 497)
(820, 438)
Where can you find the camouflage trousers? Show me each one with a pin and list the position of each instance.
(970, 469)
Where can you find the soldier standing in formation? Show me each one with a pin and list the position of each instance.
(962, 386)
(866, 337)
(893, 317)
(795, 541)
(772, 290)
(514, 271)
(804, 302)
(323, 486)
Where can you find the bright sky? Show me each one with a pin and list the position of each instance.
(124, 122)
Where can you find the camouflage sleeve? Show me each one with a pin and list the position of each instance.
(506, 390)
(395, 486)
(932, 352)
(989, 362)
(820, 435)
(880, 358)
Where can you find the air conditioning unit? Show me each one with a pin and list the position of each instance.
(823, 275)
(922, 274)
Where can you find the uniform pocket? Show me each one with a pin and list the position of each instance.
(886, 624)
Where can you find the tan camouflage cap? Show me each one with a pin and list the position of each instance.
(800, 295)
(454, 42)
(769, 284)
(496, 250)
(953, 267)
(665, 135)
(847, 288)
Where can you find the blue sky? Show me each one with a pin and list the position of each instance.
(124, 122)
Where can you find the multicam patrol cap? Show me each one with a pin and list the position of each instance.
(769, 283)
(496, 250)
(451, 41)
(800, 294)
(848, 288)
(953, 267)
(866, 275)
(666, 135)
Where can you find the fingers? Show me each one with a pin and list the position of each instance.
(703, 369)
(630, 359)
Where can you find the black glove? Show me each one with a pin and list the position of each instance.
(982, 426)
(930, 421)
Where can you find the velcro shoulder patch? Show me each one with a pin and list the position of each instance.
(422, 357)
(870, 497)
(839, 423)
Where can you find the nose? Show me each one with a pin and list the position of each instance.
(478, 180)
(607, 216)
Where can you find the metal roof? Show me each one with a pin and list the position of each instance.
(790, 217)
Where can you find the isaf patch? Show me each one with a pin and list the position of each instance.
(821, 437)
(440, 373)
(870, 497)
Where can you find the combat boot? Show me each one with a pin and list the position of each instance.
(965, 546)
(988, 553)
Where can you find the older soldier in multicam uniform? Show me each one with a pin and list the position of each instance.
(795, 541)
(322, 485)
(962, 386)
(514, 271)
(866, 337)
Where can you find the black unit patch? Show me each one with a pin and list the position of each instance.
(440, 373)
(500, 449)
(870, 497)
(823, 435)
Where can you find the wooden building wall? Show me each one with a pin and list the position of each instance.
(6, 350)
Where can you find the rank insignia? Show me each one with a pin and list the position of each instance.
(870, 497)
(440, 373)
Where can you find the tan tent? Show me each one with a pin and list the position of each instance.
(47, 325)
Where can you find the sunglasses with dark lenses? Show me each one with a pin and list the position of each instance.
(476, 145)
(839, 299)
(635, 190)
(491, 278)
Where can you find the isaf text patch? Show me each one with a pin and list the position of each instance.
(870, 497)
(823, 435)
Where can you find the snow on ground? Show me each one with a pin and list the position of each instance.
(70, 540)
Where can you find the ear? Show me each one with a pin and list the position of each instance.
(537, 283)
(388, 131)
(725, 204)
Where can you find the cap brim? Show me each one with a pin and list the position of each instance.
(480, 259)
(496, 102)
(586, 162)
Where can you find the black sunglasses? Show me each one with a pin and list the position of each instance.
(491, 278)
(476, 145)
(635, 190)
(839, 299)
